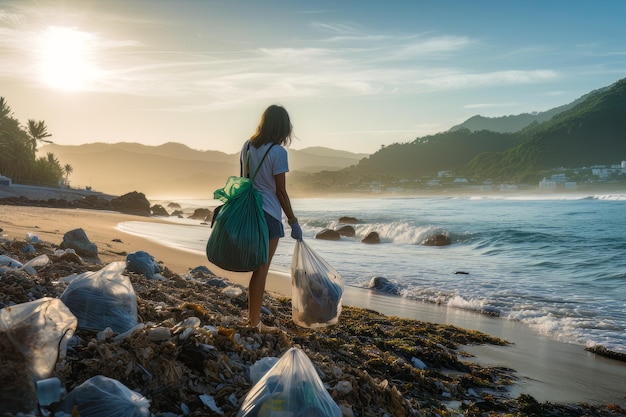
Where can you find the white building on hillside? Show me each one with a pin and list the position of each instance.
(603, 172)
(546, 184)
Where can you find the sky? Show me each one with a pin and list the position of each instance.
(353, 75)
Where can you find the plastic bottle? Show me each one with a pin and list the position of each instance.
(50, 391)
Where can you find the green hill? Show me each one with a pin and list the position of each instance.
(589, 131)
(426, 156)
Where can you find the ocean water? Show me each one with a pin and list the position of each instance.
(556, 263)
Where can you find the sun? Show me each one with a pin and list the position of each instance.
(66, 59)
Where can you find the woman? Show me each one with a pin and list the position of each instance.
(272, 134)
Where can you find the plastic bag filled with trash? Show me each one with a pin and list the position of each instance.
(33, 336)
(239, 237)
(101, 396)
(143, 263)
(102, 299)
(317, 289)
(291, 388)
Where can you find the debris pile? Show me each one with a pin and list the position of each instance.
(193, 354)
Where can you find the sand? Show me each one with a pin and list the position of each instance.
(548, 370)
(51, 224)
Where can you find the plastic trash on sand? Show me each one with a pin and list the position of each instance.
(100, 396)
(102, 299)
(143, 263)
(37, 262)
(9, 262)
(261, 367)
(291, 388)
(317, 289)
(50, 391)
(33, 336)
(32, 238)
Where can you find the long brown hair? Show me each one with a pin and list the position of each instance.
(274, 127)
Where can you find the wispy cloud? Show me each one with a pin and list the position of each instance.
(466, 80)
(344, 60)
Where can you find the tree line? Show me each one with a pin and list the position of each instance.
(18, 152)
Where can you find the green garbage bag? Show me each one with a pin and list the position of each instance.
(239, 240)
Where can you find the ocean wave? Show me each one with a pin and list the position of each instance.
(481, 306)
(551, 197)
(559, 323)
(402, 233)
(613, 277)
(609, 197)
(577, 330)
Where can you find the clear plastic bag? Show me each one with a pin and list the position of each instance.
(102, 299)
(33, 336)
(317, 289)
(239, 240)
(291, 388)
(100, 396)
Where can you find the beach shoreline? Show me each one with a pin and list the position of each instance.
(547, 370)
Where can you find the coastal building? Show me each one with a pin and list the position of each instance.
(546, 184)
(6, 181)
(557, 181)
(603, 172)
(558, 178)
(508, 187)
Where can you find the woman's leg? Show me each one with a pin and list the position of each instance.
(256, 289)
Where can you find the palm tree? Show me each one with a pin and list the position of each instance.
(5, 110)
(38, 131)
(68, 170)
(52, 159)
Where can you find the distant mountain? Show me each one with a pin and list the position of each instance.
(504, 124)
(513, 123)
(172, 169)
(318, 159)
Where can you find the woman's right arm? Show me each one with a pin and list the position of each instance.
(285, 203)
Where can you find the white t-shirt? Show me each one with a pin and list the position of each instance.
(275, 163)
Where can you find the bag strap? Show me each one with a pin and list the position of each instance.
(256, 171)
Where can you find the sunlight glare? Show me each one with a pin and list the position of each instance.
(65, 59)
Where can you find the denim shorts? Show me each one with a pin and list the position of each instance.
(275, 227)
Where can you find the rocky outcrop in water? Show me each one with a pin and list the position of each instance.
(328, 234)
(371, 238)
